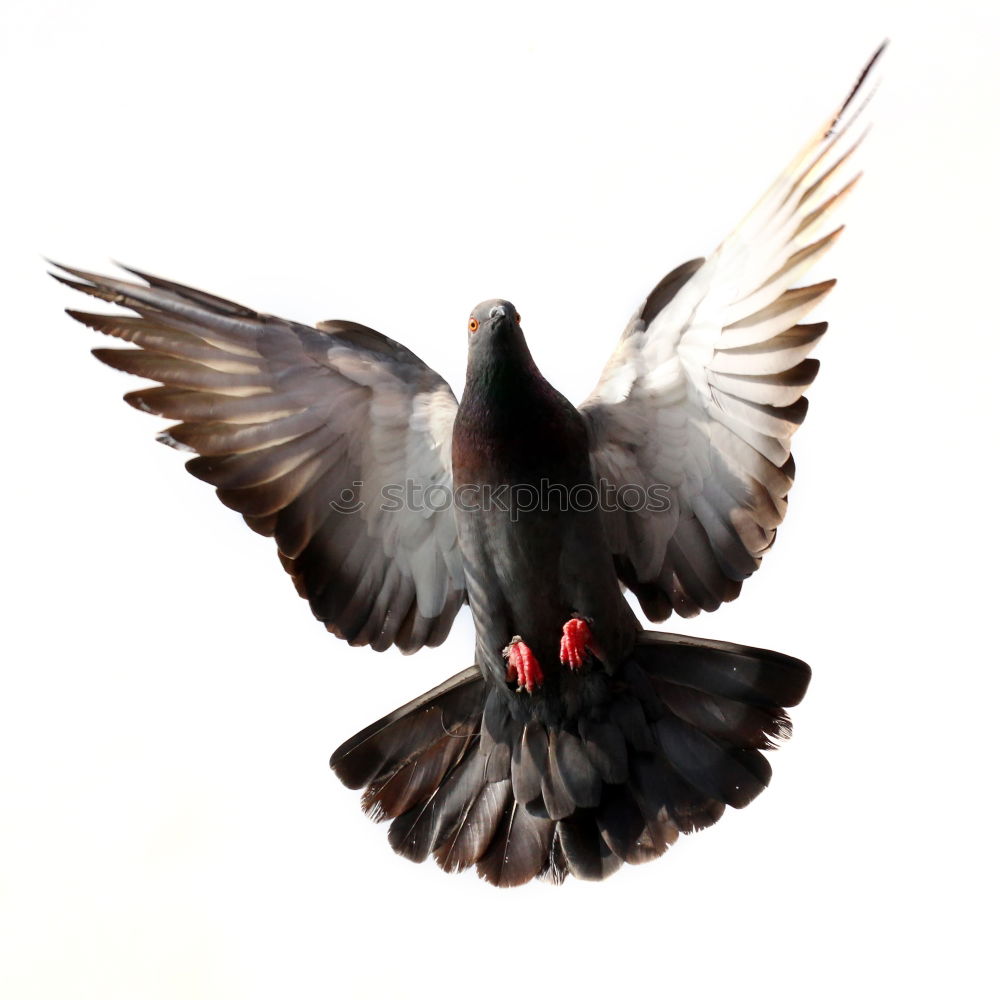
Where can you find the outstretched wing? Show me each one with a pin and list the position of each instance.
(704, 390)
(300, 429)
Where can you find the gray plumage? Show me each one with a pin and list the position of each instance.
(537, 761)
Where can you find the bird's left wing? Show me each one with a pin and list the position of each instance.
(320, 437)
(696, 408)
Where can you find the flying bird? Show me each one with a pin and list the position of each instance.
(578, 741)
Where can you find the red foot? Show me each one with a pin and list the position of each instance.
(522, 665)
(575, 643)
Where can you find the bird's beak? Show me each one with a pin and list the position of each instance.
(498, 310)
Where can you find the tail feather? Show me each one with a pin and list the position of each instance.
(422, 830)
(588, 855)
(418, 776)
(736, 723)
(555, 869)
(520, 849)
(499, 733)
(556, 796)
(627, 715)
(529, 761)
(733, 776)
(742, 673)
(677, 741)
(662, 794)
(605, 746)
(475, 828)
(384, 745)
(579, 776)
(631, 835)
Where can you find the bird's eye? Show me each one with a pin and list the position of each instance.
(517, 317)
(473, 324)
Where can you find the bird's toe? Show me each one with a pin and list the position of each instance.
(575, 643)
(522, 667)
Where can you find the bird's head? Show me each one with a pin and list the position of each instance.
(496, 342)
(491, 320)
(494, 329)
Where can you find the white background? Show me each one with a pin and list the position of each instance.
(168, 823)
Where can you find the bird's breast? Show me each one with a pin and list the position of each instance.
(525, 437)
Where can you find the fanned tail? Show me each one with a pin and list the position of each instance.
(679, 738)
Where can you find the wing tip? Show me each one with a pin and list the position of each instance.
(831, 129)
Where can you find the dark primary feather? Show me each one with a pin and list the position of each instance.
(287, 420)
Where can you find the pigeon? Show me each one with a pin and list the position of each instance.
(578, 741)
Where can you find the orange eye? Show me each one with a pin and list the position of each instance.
(517, 317)
(473, 324)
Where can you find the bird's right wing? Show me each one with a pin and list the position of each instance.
(698, 404)
(327, 439)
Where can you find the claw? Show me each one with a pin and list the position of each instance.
(522, 665)
(575, 643)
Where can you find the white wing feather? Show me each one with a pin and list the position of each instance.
(704, 390)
